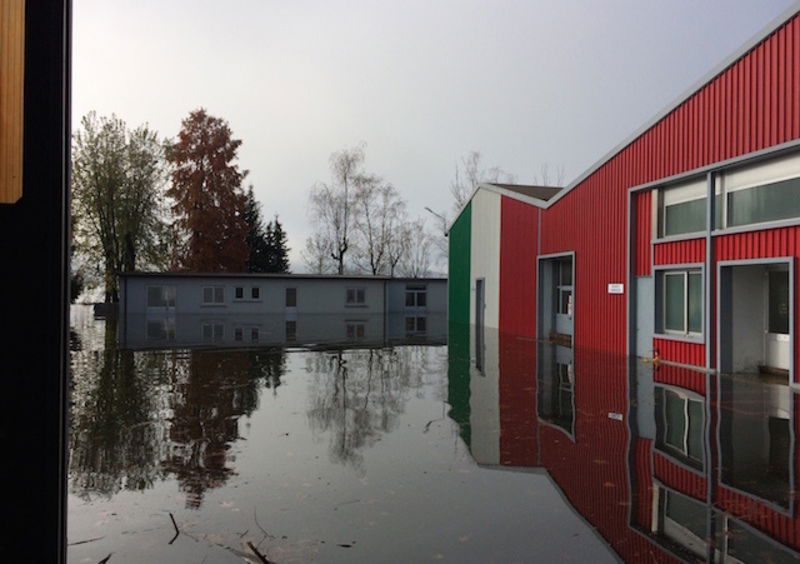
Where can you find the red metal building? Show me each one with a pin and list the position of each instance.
(681, 243)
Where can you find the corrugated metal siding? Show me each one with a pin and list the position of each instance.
(745, 108)
(680, 377)
(679, 252)
(679, 478)
(777, 525)
(458, 275)
(518, 250)
(518, 419)
(759, 244)
(644, 233)
(593, 470)
(679, 351)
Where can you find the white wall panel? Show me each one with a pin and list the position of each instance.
(485, 254)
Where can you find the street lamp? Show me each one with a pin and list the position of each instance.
(442, 218)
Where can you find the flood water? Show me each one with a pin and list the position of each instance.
(419, 447)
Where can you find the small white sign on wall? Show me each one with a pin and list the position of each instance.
(616, 288)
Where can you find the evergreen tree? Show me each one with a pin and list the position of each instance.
(258, 260)
(277, 251)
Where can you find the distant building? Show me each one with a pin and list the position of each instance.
(186, 309)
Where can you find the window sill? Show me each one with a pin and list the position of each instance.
(362, 306)
(696, 339)
(680, 237)
(247, 301)
(213, 305)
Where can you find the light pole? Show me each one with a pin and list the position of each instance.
(441, 218)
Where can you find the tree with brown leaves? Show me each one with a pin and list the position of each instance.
(209, 202)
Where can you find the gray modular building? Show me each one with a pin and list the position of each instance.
(186, 309)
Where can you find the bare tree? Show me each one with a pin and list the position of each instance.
(546, 177)
(331, 204)
(317, 254)
(416, 261)
(380, 214)
(469, 173)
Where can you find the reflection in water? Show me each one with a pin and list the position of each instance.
(356, 396)
(136, 418)
(664, 463)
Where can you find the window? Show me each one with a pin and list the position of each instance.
(161, 296)
(355, 330)
(291, 331)
(212, 332)
(355, 296)
(416, 296)
(237, 334)
(239, 294)
(213, 295)
(682, 209)
(682, 302)
(254, 334)
(564, 286)
(760, 193)
(679, 426)
(416, 325)
(291, 297)
(255, 293)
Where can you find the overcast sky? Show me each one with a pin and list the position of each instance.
(422, 83)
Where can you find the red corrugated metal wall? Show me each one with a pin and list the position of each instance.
(518, 420)
(518, 250)
(644, 233)
(753, 104)
(680, 351)
(680, 252)
(679, 478)
(592, 470)
(681, 377)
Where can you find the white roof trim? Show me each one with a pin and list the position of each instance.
(739, 53)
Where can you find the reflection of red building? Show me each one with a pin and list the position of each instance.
(655, 460)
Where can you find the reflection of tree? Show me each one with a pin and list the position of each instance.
(116, 438)
(358, 395)
(138, 416)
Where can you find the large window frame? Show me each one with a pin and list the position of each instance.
(692, 280)
(683, 194)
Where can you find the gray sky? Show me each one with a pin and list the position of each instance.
(420, 82)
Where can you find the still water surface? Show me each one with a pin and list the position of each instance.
(490, 449)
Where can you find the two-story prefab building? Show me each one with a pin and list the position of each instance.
(681, 243)
(228, 309)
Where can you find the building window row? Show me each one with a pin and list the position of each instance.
(750, 195)
(239, 293)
